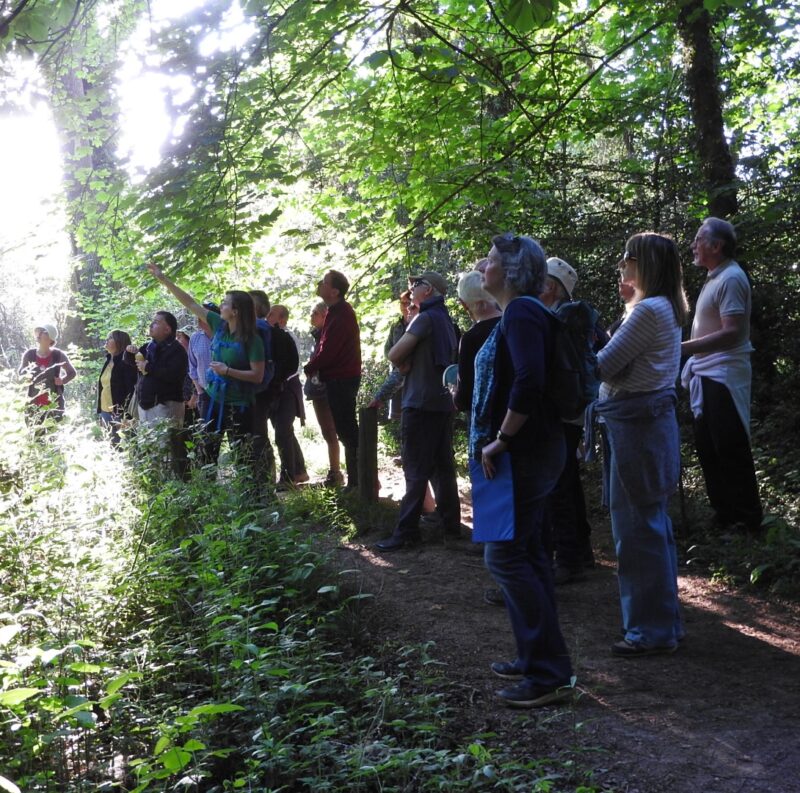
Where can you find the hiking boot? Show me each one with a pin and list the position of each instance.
(334, 479)
(394, 543)
(626, 649)
(507, 670)
(530, 695)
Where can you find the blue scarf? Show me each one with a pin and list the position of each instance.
(480, 432)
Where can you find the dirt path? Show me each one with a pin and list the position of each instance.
(722, 715)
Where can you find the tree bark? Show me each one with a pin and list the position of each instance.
(705, 96)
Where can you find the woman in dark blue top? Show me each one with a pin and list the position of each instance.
(511, 413)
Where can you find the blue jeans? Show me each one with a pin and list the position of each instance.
(647, 564)
(521, 567)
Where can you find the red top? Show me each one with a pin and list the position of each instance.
(338, 354)
(43, 363)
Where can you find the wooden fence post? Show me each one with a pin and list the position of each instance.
(368, 454)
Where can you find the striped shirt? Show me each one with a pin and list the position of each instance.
(199, 357)
(645, 352)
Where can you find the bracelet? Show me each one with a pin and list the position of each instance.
(501, 436)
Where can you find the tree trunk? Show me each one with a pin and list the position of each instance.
(702, 80)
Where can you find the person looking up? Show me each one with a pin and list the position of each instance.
(236, 367)
(49, 370)
(337, 361)
(718, 376)
(641, 447)
(315, 390)
(287, 407)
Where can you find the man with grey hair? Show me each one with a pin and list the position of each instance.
(718, 376)
(424, 351)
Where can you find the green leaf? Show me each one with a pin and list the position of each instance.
(17, 695)
(213, 710)
(118, 682)
(175, 759)
(82, 666)
(194, 746)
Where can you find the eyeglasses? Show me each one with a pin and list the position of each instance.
(419, 282)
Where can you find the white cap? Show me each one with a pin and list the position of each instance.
(49, 329)
(563, 273)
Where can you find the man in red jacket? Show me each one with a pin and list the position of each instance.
(337, 361)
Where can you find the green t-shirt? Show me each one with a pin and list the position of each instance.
(228, 350)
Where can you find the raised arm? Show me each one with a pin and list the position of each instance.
(184, 298)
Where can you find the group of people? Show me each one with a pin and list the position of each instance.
(636, 412)
(514, 297)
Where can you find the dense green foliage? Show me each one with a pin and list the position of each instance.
(159, 635)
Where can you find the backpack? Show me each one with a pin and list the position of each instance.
(265, 330)
(573, 379)
(285, 357)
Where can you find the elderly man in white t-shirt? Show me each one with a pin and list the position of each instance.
(718, 377)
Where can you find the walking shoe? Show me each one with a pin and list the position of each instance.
(530, 695)
(626, 649)
(396, 543)
(334, 479)
(494, 597)
(507, 670)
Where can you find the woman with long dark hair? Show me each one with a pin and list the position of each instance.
(639, 368)
(116, 384)
(512, 414)
(237, 363)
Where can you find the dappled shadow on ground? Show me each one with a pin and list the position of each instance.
(720, 715)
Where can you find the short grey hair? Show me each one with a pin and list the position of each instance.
(470, 288)
(524, 263)
(724, 232)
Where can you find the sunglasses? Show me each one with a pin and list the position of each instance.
(419, 282)
(628, 257)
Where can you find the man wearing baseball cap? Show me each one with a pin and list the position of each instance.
(49, 370)
(423, 352)
(570, 529)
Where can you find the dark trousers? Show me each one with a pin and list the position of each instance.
(427, 452)
(342, 401)
(521, 567)
(725, 456)
(566, 509)
(263, 453)
(282, 416)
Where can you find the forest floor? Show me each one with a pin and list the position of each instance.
(721, 715)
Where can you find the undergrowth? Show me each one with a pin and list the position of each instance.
(164, 635)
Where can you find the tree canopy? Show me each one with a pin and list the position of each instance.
(408, 132)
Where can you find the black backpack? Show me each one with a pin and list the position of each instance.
(573, 379)
(285, 357)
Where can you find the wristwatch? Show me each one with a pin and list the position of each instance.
(501, 436)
